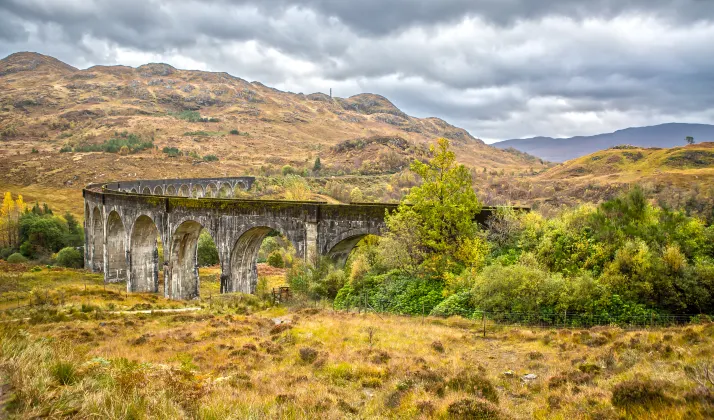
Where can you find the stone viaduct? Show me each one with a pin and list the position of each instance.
(124, 220)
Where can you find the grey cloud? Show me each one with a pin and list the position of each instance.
(500, 68)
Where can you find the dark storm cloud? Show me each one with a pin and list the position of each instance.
(500, 68)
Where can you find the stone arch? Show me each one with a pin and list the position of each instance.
(211, 191)
(133, 191)
(97, 264)
(340, 248)
(146, 191)
(243, 263)
(197, 191)
(158, 190)
(144, 256)
(115, 270)
(184, 191)
(170, 190)
(182, 281)
(225, 190)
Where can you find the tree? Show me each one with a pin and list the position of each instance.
(436, 219)
(356, 195)
(207, 253)
(318, 165)
(690, 140)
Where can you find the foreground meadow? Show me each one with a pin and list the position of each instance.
(236, 356)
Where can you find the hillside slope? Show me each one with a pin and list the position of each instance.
(46, 106)
(563, 149)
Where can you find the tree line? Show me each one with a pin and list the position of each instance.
(622, 258)
(36, 233)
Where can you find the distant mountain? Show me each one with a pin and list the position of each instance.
(562, 149)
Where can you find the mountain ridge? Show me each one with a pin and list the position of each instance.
(665, 135)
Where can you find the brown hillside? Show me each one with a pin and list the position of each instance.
(47, 105)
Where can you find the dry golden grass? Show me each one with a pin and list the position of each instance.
(238, 359)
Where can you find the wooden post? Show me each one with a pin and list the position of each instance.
(483, 320)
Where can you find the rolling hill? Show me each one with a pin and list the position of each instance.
(563, 149)
(47, 106)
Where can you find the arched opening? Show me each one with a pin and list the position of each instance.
(133, 191)
(211, 191)
(225, 191)
(97, 241)
(182, 277)
(184, 191)
(171, 190)
(197, 191)
(116, 264)
(158, 190)
(144, 252)
(259, 244)
(146, 191)
(342, 250)
(239, 191)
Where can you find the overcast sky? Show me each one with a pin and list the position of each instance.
(499, 68)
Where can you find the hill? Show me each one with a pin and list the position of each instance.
(47, 106)
(562, 149)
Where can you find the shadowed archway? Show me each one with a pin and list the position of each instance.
(244, 271)
(144, 276)
(116, 264)
(97, 241)
(182, 281)
(158, 190)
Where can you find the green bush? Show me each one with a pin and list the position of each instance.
(288, 170)
(207, 253)
(190, 116)
(132, 142)
(457, 304)
(210, 158)
(171, 151)
(66, 149)
(275, 259)
(235, 132)
(6, 252)
(70, 257)
(16, 258)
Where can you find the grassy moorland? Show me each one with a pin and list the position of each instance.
(238, 357)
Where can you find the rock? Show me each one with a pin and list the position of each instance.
(529, 377)
(508, 373)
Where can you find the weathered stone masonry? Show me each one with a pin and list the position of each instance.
(124, 219)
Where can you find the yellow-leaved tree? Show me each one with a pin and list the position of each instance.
(10, 214)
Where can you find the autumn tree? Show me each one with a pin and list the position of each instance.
(10, 213)
(434, 225)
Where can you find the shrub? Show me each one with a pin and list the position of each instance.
(235, 132)
(66, 149)
(210, 158)
(275, 259)
(171, 151)
(474, 383)
(288, 170)
(70, 257)
(457, 304)
(16, 258)
(638, 392)
(190, 116)
(473, 408)
(122, 143)
(5, 252)
(308, 354)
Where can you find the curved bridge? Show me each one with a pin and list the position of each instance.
(124, 219)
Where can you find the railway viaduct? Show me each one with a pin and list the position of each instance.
(124, 220)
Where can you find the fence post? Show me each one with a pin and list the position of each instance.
(483, 320)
